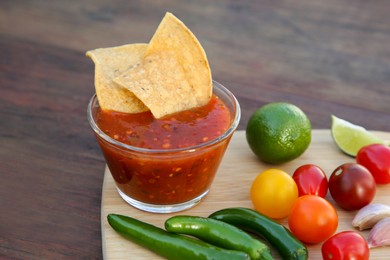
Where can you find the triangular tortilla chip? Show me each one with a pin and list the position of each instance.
(147, 79)
(109, 64)
(175, 74)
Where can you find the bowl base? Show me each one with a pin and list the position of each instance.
(157, 208)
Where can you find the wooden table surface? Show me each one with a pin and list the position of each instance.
(327, 57)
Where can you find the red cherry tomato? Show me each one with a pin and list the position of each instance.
(352, 186)
(311, 180)
(376, 158)
(312, 219)
(344, 246)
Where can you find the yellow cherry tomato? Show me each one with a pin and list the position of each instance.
(273, 193)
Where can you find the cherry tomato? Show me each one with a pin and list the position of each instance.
(273, 193)
(311, 180)
(352, 186)
(312, 219)
(344, 246)
(376, 158)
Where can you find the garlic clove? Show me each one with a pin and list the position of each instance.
(369, 215)
(380, 234)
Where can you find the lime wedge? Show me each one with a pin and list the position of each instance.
(350, 138)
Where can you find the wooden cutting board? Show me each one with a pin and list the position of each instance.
(231, 189)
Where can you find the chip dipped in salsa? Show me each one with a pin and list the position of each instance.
(167, 177)
(162, 123)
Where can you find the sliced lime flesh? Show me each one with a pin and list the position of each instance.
(350, 137)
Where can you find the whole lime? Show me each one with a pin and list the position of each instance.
(278, 132)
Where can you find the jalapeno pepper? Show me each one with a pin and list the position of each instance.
(220, 234)
(277, 235)
(169, 245)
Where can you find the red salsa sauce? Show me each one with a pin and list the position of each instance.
(173, 177)
(183, 129)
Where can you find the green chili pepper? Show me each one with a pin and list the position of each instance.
(219, 234)
(277, 235)
(169, 245)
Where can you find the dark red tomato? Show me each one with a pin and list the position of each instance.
(311, 180)
(352, 186)
(344, 246)
(376, 158)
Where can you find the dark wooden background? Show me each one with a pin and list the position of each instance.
(327, 57)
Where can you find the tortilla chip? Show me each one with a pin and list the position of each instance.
(174, 75)
(109, 64)
(146, 81)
